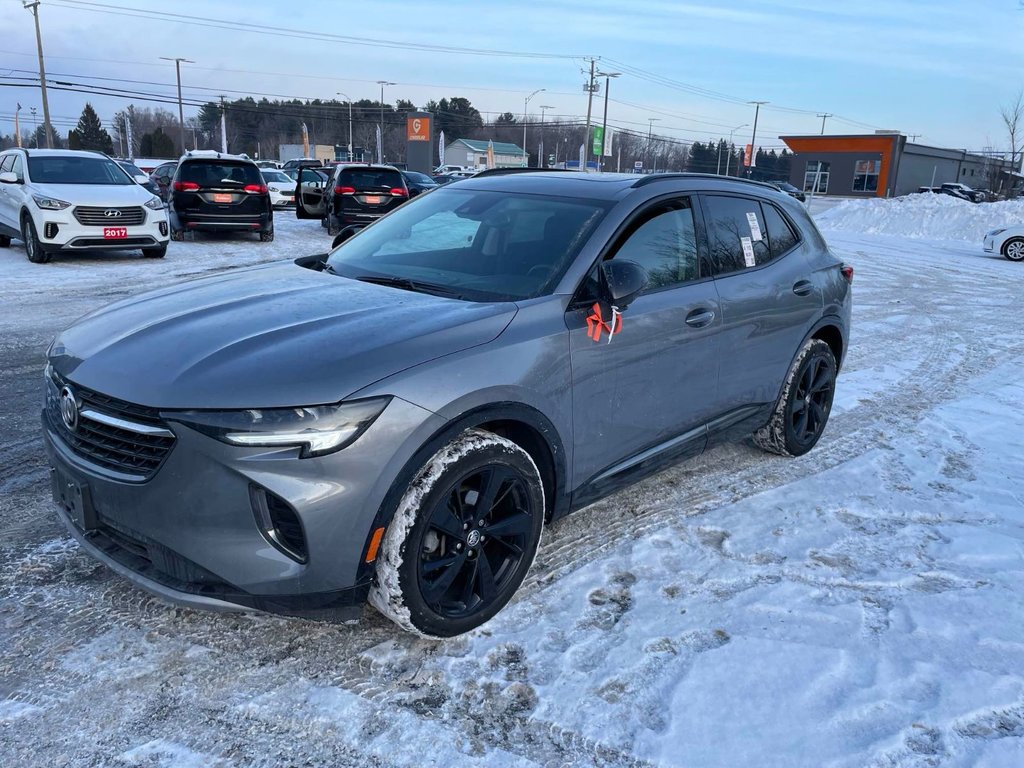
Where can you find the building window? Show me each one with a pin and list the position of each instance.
(865, 175)
(812, 172)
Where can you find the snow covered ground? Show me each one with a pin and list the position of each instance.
(860, 606)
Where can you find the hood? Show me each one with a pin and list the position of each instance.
(95, 194)
(271, 336)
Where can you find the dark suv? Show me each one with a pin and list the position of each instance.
(399, 419)
(358, 195)
(221, 193)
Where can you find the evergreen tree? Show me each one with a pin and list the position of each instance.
(505, 118)
(90, 134)
(157, 144)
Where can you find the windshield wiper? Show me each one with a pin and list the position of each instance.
(409, 285)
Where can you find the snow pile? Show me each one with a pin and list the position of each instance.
(926, 216)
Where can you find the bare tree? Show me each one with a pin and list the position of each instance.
(1013, 119)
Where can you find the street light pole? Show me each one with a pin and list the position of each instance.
(181, 109)
(526, 104)
(604, 124)
(753, 136)
(729, 156)
(380, 152)
(339, 93)
(540, 150)
(33, 5)
(650, 127)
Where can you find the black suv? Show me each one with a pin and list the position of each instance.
(355, 196)
(223, 193)
(418, 182)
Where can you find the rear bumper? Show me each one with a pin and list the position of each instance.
(208, 222)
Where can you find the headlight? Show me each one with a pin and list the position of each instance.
(50, 203)
(318, 429)
(997, 232)
(155, 204)
(273, 189)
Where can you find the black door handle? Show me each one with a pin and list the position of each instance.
(803, 288)
(701, 317)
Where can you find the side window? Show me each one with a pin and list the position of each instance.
(664, 243)
(781, 236)
(736, 233)
(6, 163)
(307, 176)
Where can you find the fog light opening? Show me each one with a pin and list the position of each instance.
(279, 524)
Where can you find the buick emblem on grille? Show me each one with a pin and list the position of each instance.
(112, 213)
(69, 409)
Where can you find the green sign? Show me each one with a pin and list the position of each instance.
(598, 146)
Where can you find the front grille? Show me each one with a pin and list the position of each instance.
(116, 435)
(95, 216)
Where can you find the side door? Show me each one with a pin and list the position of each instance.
(768, 296)
(310, 192)
(647, 390)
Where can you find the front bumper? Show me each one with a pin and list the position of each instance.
(189, 535)
(282, 199)
(61, 231)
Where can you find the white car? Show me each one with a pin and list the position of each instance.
(1008, 241)
(443, 169)
(61, 200)
(281, 188)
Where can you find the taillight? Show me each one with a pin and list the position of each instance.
(344, 190)
(257, 189)
(399, 192)
(185, 186)
(847, 271)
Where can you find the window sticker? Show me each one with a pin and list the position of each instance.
(748, 251)
(755, 228)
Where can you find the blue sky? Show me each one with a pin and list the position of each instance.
(940, 68)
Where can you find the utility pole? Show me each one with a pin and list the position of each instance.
(541, 160)
(650, 127)
(181, 109)
(729, 156)
(753, 137)
(825, 116)
(349, 98)
(33, 5)
(223, 127)
(526, 104)
(590, 87)
(604, 129)
(382, 83)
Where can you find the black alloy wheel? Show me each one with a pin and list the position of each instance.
(812, 399)
(476, 538)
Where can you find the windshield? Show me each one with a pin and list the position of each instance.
(207, 173)
(277, 177)
(130, 168)
(481, 246)
(71, 169)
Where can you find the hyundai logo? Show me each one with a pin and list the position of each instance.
(112, 213)
(69, 409)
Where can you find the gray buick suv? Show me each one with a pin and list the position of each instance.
(398, 420)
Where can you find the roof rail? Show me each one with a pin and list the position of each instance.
(654, 177)
(510, 171)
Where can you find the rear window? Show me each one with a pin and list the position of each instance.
(370, 179)
(419, 178)
(70, 169)
(219, 173)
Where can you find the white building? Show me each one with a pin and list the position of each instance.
(472, 153)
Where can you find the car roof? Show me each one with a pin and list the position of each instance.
(605, 186)
(61, 152)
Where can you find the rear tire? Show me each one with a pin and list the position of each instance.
(5, 241)
(33, 248)
(267, 237)
(1013, 249)
(177, 235)
(803, 407)
(463, 537)
(155, 253)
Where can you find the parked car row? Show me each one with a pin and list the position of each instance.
(960, 191)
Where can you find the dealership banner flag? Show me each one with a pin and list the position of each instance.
(380, 146)
(490, 153)
(440, 149)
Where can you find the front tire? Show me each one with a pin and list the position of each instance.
(33, 248)
(155, 253)
(1013, 249)
(803, 408)
(463, 537)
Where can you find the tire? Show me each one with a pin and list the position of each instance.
(332, 228)
(324, 224)
(33, 248)
(178, 235)
(5, 241)
(802, 410)
(155, 253)
(1013, 249)
(438, 518)
(267, 237)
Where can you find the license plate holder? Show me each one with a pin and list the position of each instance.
(115, 233)
(74, 499)
(373, 199)
(220, 197)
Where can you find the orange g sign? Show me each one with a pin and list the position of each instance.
(418, 129)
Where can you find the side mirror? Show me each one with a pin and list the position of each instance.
(623, 281)
(8, 178)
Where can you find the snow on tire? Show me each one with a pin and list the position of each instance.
(398, 591)
(779, 434)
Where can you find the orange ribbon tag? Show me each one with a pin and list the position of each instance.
(596, 323)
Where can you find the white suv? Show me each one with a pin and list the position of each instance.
(62, 200)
